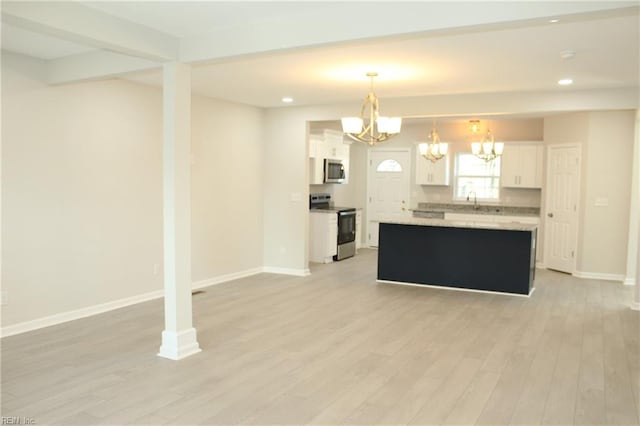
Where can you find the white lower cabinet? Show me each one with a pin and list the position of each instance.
(323, 236)
(358, 228)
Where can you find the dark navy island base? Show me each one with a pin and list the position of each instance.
(498, 260)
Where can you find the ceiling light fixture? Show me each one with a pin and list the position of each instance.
(554, 21)
(287, 100)
(434, 150)
(488, 149)
(378, 129)
(565, 82)
(475, 125)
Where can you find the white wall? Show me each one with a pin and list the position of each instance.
(226, 188)
(609, 169)
(606, 141)
(286, 191)
(82, 192)
(81, 186)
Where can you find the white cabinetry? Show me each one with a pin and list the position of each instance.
(358, 228)
(329, 144)
(323, 238)
(316, 160)
(429, 173)
(522, 166)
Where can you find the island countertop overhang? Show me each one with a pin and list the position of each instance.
(506, 226)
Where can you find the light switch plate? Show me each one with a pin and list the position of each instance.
(601, 202)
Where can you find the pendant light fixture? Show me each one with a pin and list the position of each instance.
(371, 128)
(433, 150)
(487, 149)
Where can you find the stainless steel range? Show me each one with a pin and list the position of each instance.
(346, 224)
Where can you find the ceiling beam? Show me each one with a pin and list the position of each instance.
(83, 25)
(359, 22)
(94, 65)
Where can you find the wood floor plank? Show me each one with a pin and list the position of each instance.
(338, 348)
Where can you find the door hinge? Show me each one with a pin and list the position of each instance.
(370, 162)
(369, 236)
(574, 207)
(572, 253)
(369, 199)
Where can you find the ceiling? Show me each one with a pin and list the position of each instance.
(512, 56)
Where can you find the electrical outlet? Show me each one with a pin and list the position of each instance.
(4, 297)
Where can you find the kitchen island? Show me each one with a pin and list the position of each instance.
(480, 256)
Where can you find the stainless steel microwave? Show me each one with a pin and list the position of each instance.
(333, 171)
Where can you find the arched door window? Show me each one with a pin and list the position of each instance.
(389, 165)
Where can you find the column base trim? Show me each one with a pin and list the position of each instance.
(629, 281)
(177, 345)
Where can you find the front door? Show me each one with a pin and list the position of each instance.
(561, 221)
(387, 188)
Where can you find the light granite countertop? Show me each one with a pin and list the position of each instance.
(481, 209)
(512, 226)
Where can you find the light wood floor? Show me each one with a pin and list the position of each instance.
(337, 348)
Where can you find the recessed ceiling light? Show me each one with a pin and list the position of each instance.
(565, 82)
(553, 21)
(287, 100)
(567, 54)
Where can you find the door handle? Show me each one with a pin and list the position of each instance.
(550, 214)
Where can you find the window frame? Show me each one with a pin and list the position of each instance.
(456, 176)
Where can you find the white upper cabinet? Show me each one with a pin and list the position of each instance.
(329, 144)
(522, 165)
(429, 173)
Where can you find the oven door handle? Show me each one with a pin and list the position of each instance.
(346, 213)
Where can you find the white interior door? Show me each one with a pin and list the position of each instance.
(561, 221)
(387, 188)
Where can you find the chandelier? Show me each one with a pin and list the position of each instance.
(434, 150)
(488, 149)
(377, 129)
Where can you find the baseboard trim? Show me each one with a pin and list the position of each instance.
(62, 317)
(599, 276)
(441, 287)
(540, 265)
(55, 319)
(635, 306)
(286, 271)
(225, 278)
(629, 281)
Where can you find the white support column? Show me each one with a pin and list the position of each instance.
(179, 337)
(633, 256)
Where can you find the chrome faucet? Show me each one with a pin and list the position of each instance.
(475, 200)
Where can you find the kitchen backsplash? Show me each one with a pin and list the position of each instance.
(508, 196)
